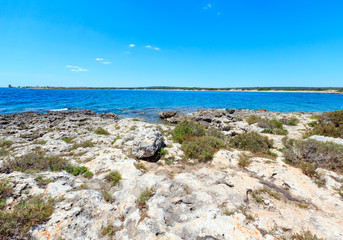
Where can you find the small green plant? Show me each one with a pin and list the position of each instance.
(253, 119)
(15, 224)
(88, 174)
(201, 148)
(305, 235)
(141, 166)
(76, 170)
(115, 139)
(85, 144)
(107, 196)
(273, 126)
(252, 142)
(144, 197)
(109, 230)
(41, 142)
(243, 161)
(302, 205)
(187, 129)
(290, 121)
(162, 152)
(113, 178)
(312, 124)
(5, 192)
(41, 181)
(67, 139)
(35, 161)
(101, 131)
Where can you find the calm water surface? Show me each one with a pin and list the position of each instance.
(135, 103)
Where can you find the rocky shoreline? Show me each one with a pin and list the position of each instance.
(130, 179)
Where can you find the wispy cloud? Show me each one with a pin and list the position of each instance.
(208, 6)
(99, 59)
(154, 48)
(76, 68)
(106, 62)
(132, 45)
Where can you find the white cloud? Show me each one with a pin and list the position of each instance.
(208, 6)
(106, 62)
(99, 59)
(76, 68)
(155, 48)
(132, 45)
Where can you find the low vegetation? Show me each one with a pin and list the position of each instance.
(113, 178)
(144, 197)
(196, 142)
(290, 121)
(252, 142)
(256, 194)
(35, 161)
(253, 119)
(305, 235)
(5, 192)
(243, 161)
(273, 126)
(101, 131)
(42, 182)
(202, 148)
(67, 139)
(311, 154)
(187, 129)
(16, 223)
(107, 196)
(76, 170)
(84, 144)
(329, 124)
(109, 230)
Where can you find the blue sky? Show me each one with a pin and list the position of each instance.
(213, 43)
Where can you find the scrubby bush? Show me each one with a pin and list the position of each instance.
(202, 148)
(67, 139)
(41, 181)
(310, 154)
(291, 121)
(253, 119)
(187, 129)
(35, 161)
(5, 192)
(113, 178)
(84, 144)
(144, 197)
(329, 124)
(243, 161)
(6, 143)
(252, 142)
(273, 126)
(15, 224)
(88, 174)
(76, 170)
(101, 131)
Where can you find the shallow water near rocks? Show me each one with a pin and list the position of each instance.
(146, 103)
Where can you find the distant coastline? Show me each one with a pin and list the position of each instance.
(261, 89)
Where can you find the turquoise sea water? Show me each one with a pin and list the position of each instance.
(136, 102)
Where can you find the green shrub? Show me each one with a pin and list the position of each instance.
(145, 196)
(76, 170)
(272, 126)
(216, 133)
(310, 154)
(43, 181)
(67, 139)
(187, 129)
(202, 148)
(107, 196)
(109, 230)
(252, 142)
(85, 144)
(253, 119)
(243, 161)
(329, 124)
(16, 224)
(35, 161)
(305, 235)
(88, 174)
(6, 143)
(162, 152)
(291, 121)
(113, 178)
(5, 192)
(101, 131)
(312, 124)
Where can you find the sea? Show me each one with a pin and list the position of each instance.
(146, 103)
